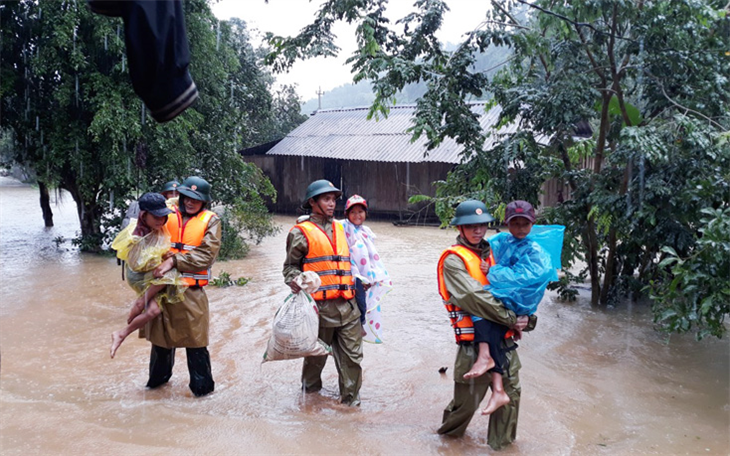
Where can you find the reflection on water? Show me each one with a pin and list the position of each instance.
(594, 382)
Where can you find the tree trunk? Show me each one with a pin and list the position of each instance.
(592, 241)
(89, 214)
(45, 204)
(90, 230)
(589, 235)
(609, 276)
(592, 259)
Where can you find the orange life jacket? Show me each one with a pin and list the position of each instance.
(460, 320)
(186, 237)
(329, 259)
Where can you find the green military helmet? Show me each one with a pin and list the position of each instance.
(170, 186)
(471, 212)
(320, 187)
(196, 188)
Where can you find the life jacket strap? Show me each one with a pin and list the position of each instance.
(335, 272)
(181, 246)
(198, 277)
(192, 275)
(457, 315)
(337, 258)
(336, 286)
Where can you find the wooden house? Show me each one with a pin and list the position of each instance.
(372, 158)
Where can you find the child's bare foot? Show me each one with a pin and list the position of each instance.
(497, 400)
(480, 367)
(117, 340)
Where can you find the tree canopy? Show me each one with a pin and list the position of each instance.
(648, 194)
(69, 108)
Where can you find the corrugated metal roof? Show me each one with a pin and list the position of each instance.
(347, 134)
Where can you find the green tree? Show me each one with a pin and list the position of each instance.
(651, 78)
(633, 73)
(68, 104)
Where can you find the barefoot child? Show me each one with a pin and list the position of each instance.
(372, 281)
(143, 245)
(518, 272)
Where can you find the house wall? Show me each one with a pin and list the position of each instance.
(554, 192)
(386, 185)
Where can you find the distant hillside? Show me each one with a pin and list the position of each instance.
(360, 94)
(344, 96)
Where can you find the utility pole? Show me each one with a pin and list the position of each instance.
(319, 98)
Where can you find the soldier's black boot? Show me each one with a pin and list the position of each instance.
(161, 362)
(201, 377)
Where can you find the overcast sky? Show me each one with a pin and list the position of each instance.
(288, 17)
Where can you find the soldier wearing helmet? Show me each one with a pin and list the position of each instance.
(318, 244)
(461, 283)
(169, 190)
(195, 234)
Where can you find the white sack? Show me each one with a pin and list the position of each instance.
(296, 324)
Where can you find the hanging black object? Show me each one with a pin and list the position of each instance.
(158, 53)
(107, 8)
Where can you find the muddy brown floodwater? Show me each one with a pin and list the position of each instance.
(594, 382)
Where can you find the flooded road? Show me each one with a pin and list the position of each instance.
(594, 382)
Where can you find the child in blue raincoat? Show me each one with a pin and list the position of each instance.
(519, 276)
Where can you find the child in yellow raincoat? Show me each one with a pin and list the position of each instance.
(143, 245)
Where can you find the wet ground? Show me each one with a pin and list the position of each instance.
(594, 382)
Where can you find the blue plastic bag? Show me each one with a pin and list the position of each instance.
(524, 267)
(550, 238)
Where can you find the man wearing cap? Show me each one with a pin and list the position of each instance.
(461, 286)
(136, 245)
(169, 190)
(318, 244)
(195, 234)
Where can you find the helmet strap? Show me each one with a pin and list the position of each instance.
(464, 237)
(315, 202)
